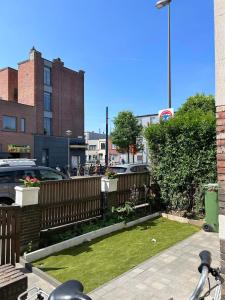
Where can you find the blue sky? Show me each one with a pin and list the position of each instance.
(122, 47)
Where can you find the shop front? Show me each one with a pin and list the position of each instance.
(19, 151)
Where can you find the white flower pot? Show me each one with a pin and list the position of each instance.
(109, 185)
(26, 195)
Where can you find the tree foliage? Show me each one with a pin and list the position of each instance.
(183, 153)
(126, 131)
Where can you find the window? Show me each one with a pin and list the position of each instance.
(22, 125)
(92, 147)
(102, 146)
(22, 174)
(6, 177)
(9, 123)
(118, 169)
(50, 175)
(154, 119)
(113, 147)
(47, 126)
(134, 169)
(47, 76)
(47, 101)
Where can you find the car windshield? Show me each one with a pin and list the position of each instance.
(118, 169)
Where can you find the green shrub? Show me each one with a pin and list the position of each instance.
(183, 153)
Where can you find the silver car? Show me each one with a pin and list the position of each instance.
(129, 168)
(11, 177)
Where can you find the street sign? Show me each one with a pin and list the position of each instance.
(166, 114)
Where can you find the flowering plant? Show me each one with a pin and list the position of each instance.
(110, 174)
(30, 182)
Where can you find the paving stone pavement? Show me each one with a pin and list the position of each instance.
(36, 281)
(171, 274)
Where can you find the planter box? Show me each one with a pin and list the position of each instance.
(26, 195)
(38, 254)
(109, 185)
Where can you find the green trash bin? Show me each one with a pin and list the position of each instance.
(211, 207)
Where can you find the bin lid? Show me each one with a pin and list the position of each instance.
(211, 185)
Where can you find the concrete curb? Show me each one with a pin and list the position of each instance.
(43, 275)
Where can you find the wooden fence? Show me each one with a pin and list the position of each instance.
(127, 184)
(69, 201)
(9, 234)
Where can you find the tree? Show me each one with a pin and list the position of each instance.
(183, 153)
(126, 131)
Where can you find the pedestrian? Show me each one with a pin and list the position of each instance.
(81, 170)
(97, 170)
(74, 171)
(91, 171)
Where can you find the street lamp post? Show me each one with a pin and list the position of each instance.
(68, 133)
(161, 4)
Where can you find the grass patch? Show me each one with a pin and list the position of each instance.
(98, 261)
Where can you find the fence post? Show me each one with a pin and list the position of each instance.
(30, 224)
(104, 204)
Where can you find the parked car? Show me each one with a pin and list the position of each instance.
(129, 168)
(10, 177)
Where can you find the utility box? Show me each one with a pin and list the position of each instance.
(211, 208)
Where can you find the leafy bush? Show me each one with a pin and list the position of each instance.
(183, 153)
(123, 213)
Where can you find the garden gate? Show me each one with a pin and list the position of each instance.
(9, 234)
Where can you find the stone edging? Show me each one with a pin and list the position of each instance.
(38, 254)
(43, 275)
(198, 223)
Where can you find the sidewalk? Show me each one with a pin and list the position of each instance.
(173, 273)
(36, 281)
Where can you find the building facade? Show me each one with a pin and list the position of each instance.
(219, 15)
(96, 147)
(39, 102)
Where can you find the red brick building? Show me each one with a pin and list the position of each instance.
(39, 102)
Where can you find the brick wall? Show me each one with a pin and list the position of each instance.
(68, 100)
(30, 227)
(67, 89)
(26, 83)
(220, 140)
(39, 91)
(4, 93)
(19, 111)
(13, 84)
(219, 14)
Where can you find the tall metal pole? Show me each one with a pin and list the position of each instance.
(107, 138)
(169, 59)
(68, 154)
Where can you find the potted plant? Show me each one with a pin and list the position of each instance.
(109, 181)
(27, 194)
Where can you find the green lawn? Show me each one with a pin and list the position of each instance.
(98, 261)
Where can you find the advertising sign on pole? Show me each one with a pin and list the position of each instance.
(166, 114)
